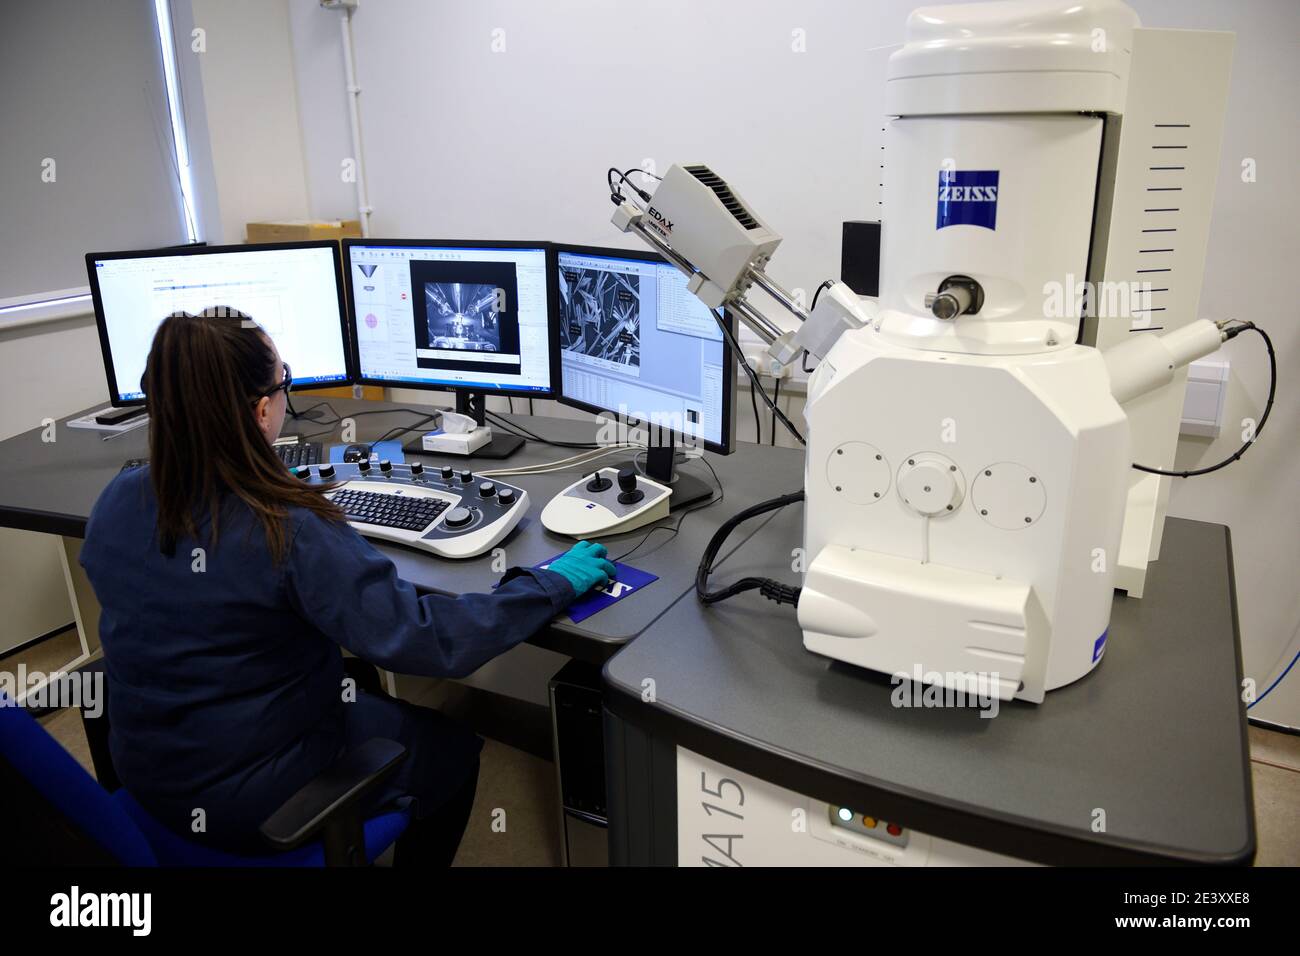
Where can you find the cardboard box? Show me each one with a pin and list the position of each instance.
(371, 393)
(298, 230)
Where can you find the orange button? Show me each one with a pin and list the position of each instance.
(869, 822)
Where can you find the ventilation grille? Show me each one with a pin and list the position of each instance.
(724, 193)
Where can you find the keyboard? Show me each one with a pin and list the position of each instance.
(389, 511)
(303, 453)
(447, 512)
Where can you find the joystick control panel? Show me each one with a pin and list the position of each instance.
(608, 501)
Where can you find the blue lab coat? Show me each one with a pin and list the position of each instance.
(224, 669)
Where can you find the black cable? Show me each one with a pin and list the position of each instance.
(423, 412)
(771, 589)
(758, 428)
(643, 172)
(1232, 333)
(615, 193)
(753, 376)
(776, 400)
(394, 432)
(722, 494)
(519, 431)
(826, 284)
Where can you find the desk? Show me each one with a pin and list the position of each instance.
(1156, 735)
(51, 487)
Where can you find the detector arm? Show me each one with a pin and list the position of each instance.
(703, 227)
(1146, 362)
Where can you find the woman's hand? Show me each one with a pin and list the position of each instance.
(585, 567)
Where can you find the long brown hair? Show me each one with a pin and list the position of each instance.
(203, 380)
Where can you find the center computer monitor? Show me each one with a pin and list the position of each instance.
(293, 290)
(635, 342)
(471, 317)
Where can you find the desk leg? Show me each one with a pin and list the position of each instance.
(85, 607)
(85, 610)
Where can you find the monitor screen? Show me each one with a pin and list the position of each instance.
(636, 342)
(292, 290)
(451, 315)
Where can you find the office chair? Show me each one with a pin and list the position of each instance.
(64, 817)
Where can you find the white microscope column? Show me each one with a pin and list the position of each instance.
(966, 476)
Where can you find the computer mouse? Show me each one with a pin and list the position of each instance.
(359, 452)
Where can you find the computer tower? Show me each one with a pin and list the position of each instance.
(578, 740)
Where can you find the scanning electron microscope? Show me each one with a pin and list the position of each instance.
(969, 483)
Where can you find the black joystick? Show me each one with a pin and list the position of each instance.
(327, 472)
(417, 469)
(598, 482)
(386, 467)
(630, 494)
(363, 466)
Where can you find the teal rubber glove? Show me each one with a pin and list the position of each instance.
(585, 567)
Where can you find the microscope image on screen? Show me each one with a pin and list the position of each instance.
(462, 316)
(600, 317)
(464, 307)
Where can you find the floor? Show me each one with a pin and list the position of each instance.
(515, 821)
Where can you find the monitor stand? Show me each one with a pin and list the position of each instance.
(474, 404)
(660, 465)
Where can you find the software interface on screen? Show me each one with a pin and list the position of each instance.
(635, 341)
(452, 317)
(291, 293)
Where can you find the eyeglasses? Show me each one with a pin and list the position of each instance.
(285, 384)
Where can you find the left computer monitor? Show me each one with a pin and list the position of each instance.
(472, 317)
(293, 290)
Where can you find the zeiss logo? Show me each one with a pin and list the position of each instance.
(968, 198)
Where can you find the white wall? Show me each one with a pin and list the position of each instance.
(462, 141)
(249, 89)
(47, 371)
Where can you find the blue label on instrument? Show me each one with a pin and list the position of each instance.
(968, 198)
(1100, 647)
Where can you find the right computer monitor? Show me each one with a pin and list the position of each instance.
(635, 342)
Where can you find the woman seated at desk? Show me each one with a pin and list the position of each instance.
(229, 589)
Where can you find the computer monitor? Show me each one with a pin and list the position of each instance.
(291, 289)
(635, 342)
(470, 317)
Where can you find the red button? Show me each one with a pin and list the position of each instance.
(894, 829)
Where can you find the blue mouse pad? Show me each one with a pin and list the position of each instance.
(379, 450)
(629, 581)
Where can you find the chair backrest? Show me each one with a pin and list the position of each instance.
(67, 816)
